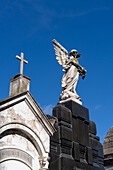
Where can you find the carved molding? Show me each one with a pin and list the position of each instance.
(13, 153)
(44, 163)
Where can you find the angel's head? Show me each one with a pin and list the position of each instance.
(74, 53)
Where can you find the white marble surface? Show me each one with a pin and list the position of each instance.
(13, 164)
(28, 129)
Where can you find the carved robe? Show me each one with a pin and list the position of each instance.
(70, 79)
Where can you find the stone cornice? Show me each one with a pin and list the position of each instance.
(33, 105)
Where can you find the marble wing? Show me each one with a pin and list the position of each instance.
(61, 53)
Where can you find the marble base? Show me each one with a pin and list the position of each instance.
(71, 99)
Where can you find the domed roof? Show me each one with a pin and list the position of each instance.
(108, 143)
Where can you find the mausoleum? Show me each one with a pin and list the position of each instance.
(67, 140)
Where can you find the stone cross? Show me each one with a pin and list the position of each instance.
(21, 62)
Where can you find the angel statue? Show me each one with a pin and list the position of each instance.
(72, 71)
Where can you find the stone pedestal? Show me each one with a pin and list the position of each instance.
(75, 145)
(19, 84)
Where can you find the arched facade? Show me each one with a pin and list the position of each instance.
(24, 134)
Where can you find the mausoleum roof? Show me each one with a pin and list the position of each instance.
(108, 142)
(28, 98)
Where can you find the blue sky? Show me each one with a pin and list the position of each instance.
(29, 26)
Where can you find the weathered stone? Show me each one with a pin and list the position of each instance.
(62, 113)
(67, 163)
(78, 110)
(16, 154)
(93, 141)
(100, 151)
(66, 146)
(76, 151)
(108, 149)
(56, 136)
(80, 131)
(65, 133)
(19, 84)
(89, 156)
(79, 146)
(55, 148)
(26, 130)
(55, 163)
(92, 127)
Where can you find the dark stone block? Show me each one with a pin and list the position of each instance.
(100, 150)
(67, 163)
(92, 127)
(101, 161)
(65, 133)
(82, 150)
(93, 142)
(75, 145)
(55, 148)
(66, 146)
(76, 153)
(95, 156)
(65, 124)
(100, 154)
(78, 110)
(62, 113)
(80, 132)
(89, 156)
(67, 143)
(54, 162)
(66, 150)
(97, 168)
(56, 135)
(83, 166)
